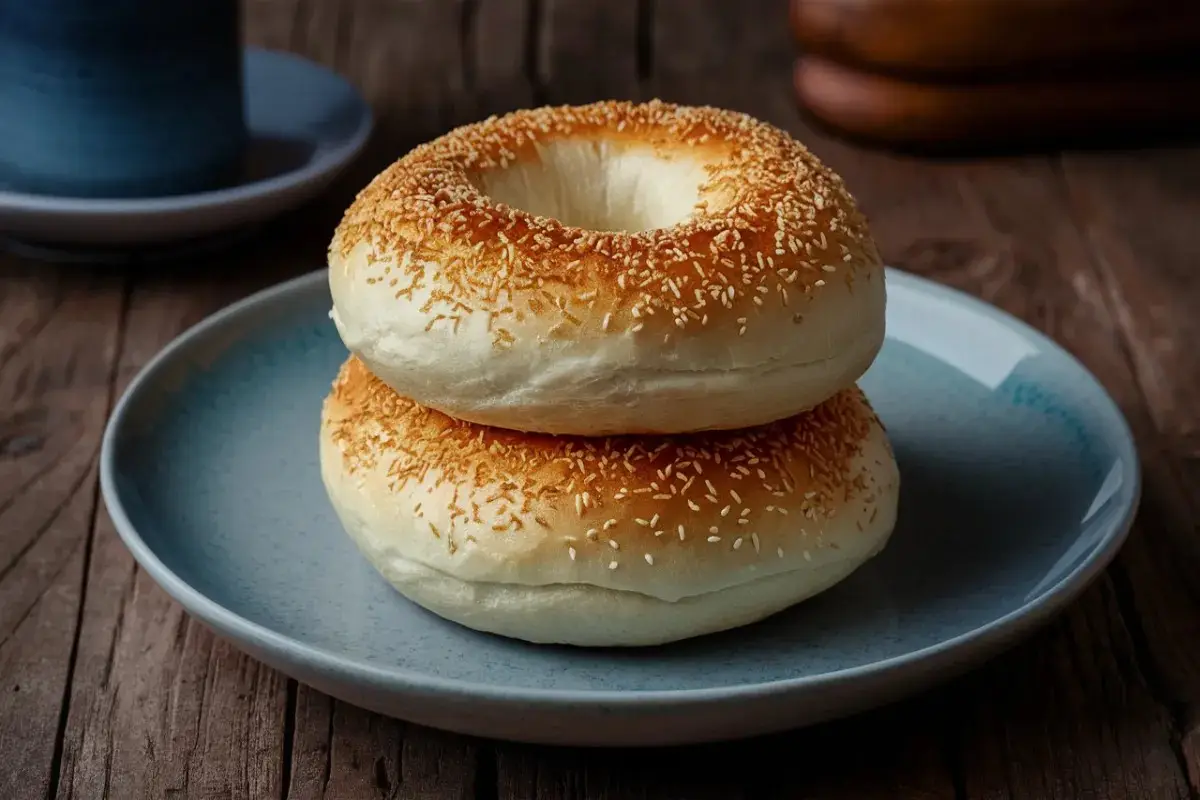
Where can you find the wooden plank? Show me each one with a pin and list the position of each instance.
(364, 755)
(1041, 249)
(34, 669)
(730, 45)
(539, 773)
(826, 761)
(1070, 715)
(1026, 255)
(1001, 231)
(341, 751)
(590, 51)
(500, 62)
(308, 772)
(58, 336)
(158, 704)
(1137, 211)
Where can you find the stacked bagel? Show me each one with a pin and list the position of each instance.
(601, 384)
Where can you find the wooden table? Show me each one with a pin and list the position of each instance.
(107, 689)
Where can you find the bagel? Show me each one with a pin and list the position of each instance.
(605, 541)
(607, 269)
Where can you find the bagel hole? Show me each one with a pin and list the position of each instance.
(597, 186)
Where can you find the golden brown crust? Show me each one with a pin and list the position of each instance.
(702, 510)
(773, 225)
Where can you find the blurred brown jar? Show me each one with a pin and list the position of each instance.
(964, 71)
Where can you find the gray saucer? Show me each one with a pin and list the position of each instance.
(306, 124)
(1020, 481)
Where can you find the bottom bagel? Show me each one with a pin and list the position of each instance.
(618, 541)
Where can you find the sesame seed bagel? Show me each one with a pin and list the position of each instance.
(600, 541)
(608, 269)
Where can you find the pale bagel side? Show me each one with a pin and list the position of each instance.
(609, 269)
(605, 541)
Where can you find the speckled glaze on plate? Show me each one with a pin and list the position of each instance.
(1020, 481)
(305, 125)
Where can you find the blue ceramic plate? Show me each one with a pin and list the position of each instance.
(305, 124)
(1020, 481)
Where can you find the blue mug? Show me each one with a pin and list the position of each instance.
(120, 98)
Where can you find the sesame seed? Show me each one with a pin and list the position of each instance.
(606, 321)
(779, 552)
(644, 523)
(713, 529)
(592, 533)
(571, 552)
(736, 497)
(754, 541)
(681, 533)
(737, 543)
(828, 268)
(725, 511)
(649, 559)
(714, 539)
(654, 520)
(658, 533)
(612, 565)
(818, 283)
(829, 436)
(807, 556)
(613, 545)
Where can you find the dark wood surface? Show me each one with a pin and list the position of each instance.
(107, 689)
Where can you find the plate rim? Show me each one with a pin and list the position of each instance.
(324, 162)
(321, 661)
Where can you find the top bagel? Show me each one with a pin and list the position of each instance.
(610, 268)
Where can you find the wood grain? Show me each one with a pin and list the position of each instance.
(158, 705)
(590, 51)
(1132, 208)
(108, 689)
(500, 61)
(1004, 230)
(57, 349)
